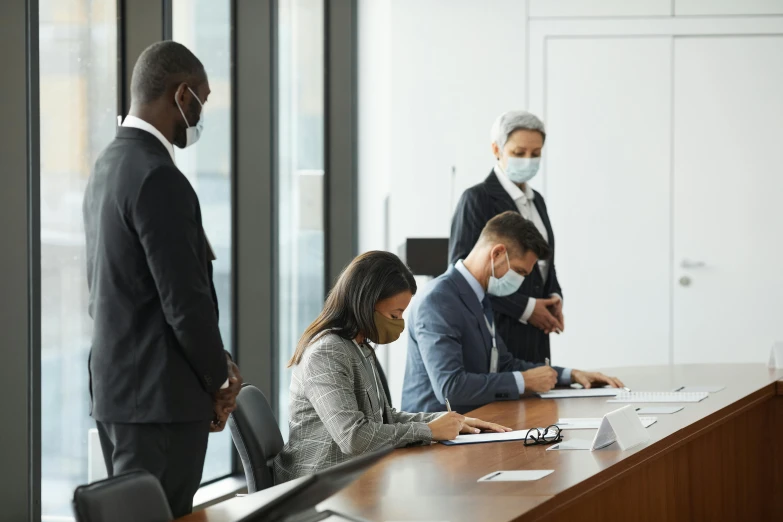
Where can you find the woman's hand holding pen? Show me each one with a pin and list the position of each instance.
(447, 426)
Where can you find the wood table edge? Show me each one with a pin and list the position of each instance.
(619, 470)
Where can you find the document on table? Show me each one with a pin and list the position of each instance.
(571, 444)
(570, 393)
(660, 397)
(658, 410)
(593, 423)
(486, 437)
(692, 389)
(516, 476)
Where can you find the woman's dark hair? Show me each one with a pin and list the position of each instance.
(350, 306)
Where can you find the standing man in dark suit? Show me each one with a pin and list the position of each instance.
(526, 318)
(160, 379)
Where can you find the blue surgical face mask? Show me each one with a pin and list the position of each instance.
(506, 285)
(522, 170)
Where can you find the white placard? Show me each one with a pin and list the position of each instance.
(622, 426)
(776, 356)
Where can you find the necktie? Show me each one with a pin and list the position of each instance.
(487, 306)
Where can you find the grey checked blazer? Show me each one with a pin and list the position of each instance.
(336, 413)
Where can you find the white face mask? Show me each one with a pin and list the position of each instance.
(506, 285)
(522, 170)
(192, 134)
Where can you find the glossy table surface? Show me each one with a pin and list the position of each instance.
(440, 482)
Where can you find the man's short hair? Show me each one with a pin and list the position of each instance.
(517, 233)
(159, 66)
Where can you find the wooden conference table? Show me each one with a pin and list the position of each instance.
(720, 459)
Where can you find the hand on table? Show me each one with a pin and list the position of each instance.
(472, 425)
(543, 319)
(540, 379)
(588, 379)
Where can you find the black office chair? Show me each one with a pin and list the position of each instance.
(135, 496)
(256, 436)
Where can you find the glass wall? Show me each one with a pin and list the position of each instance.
(300, 181)
(204, 26)
(78, 97)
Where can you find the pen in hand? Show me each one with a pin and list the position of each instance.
(448, 406)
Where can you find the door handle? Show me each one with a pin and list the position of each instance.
(687, 263)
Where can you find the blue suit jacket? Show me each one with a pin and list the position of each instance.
(449, 347)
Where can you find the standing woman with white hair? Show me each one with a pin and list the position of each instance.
(526, 317)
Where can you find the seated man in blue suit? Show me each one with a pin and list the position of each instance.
(453, 352)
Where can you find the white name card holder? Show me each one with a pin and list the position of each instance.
(776, 356)
(622, 426)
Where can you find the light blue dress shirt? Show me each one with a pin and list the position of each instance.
(565, 377)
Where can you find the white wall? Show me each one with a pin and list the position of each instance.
(433, 75)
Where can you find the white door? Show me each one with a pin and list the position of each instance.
(606, 179)
(728, 198)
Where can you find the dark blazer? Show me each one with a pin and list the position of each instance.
(449, 350)
(156, 353)
(476, 207)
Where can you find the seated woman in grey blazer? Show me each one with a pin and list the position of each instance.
(338, 405)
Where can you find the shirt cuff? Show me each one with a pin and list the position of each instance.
(531, 305)
(557, 295)
(521, 381)
(565, 377)
(225, 385)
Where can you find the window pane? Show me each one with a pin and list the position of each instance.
(78, 96)
(204, 26)
(301, 178)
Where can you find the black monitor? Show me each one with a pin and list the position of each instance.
(298, 501)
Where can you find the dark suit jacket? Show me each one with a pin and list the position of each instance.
(156, 353)
(449, 350)
(476, 207)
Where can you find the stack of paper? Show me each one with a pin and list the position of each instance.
(593, 423)
(660, 397)
(570, 393)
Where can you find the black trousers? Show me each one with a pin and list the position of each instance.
(174, 453)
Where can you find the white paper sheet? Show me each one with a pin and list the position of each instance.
(593, 423)
(694, 389)
(641, 397)
(570, 393)
(571, 444)
(658, 410)
(516, 476)
(488, 437)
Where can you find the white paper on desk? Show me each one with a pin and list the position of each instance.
(695, 389)
(640, 397)
(593, 423)
(489, 437)
(516, 476)
(570, 393)
(622, 426)
(571, 444)
(658, 410)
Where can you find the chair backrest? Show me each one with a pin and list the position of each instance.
(135, 496)
(256, 436)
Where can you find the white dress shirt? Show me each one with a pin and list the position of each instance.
(523, 199)
(138, 123)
